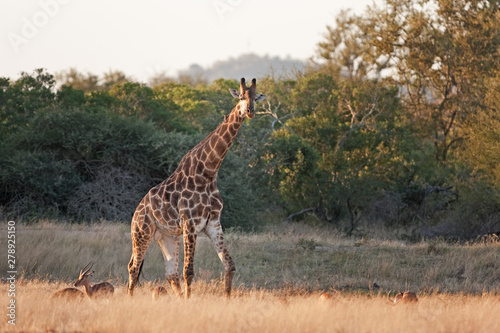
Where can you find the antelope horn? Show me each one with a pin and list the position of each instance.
(86, 269)
(243, 86)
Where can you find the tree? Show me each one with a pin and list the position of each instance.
(138, 100)
(112, 78)
(344, 50)
(442, 57)
(190, 104)
(21, 99)
(335, 150)
(70, 97)
(482, 149)
(160, 78)
(89, 82)
(439, 52)
(72, 78)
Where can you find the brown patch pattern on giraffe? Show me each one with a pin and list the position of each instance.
(188, 202)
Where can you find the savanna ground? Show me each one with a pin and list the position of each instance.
(281, 272)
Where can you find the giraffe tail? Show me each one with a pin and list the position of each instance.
(140, 271)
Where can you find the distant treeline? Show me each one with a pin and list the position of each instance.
(395, 125)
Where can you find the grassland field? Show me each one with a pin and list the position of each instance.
(281, 272)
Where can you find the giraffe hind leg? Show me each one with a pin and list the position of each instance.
(169, 246)
(142, 233)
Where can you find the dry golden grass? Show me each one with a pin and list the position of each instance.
(281, 256)
(281, 273)
(247, 311)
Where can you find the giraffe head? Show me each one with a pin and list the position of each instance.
(247, 97)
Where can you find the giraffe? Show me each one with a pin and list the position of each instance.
(188, 202)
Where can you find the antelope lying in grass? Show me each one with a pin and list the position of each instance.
(69, 294)
(324, 297)
(406, 297)
(159, 292)
(98, 290)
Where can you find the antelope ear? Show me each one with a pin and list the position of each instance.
(260, 97)
(235, 93)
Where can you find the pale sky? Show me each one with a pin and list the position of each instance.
(142, 38)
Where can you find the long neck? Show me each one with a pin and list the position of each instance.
(206, 158)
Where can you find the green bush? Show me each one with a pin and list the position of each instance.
(90, 140)
(240, 200)
(98, 165)
(60, 150)
(34, 183)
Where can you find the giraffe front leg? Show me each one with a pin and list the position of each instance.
(214, 232)
(189, 247)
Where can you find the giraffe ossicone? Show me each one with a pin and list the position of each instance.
(188, 202)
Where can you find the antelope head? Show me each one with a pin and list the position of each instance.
(84, 274)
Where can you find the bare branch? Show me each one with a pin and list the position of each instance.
(303, 211)
(268, 110)
(356, 125)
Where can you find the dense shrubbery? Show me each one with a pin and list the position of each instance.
(342, 151)
(418, 149)
(75, 158)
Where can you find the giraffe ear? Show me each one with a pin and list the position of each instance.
(235, 93)
(260, 97)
